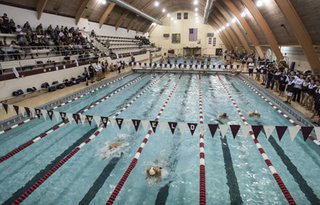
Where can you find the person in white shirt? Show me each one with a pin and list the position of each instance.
(298, 81)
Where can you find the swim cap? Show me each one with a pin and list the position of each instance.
(151, 171)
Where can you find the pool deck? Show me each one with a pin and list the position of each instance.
(46, 97)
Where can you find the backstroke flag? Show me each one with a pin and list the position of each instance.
(193, 34)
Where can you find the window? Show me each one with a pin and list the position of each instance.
(185, 15)
(209, 40)
(179, 16)
(214, 41)
(176, 37)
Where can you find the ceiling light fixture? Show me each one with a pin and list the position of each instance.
(172, 18)
(156, 3)
(195, 2)
(168, 15)
(227, 25)
(234, 20)
(196, 9)
(244, 14)
(196, 14)
(103, 2)
(259, 3)
(163, 10)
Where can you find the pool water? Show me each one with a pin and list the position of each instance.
(235, 171)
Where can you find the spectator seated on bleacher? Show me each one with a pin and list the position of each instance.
(39, 30)
(13, 51)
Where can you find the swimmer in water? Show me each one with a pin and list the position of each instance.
(112, 149)
(154, 172)
(254, 114)
(223, 116)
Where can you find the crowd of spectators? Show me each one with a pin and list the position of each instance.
(296, 86)
(61, 39)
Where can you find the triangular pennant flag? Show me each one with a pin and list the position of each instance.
(317, 131)
(119, 122)
(154, 125)
(172, 126)
(145, 125)
(245, 130)
(182, 127)
(136, 123)
(70, 117)
(163, 127)
(112, 121)
(5, 106)
(213, 128)
(280, 131)
(16, 108)
(104, 121)
(32, 112)
(82, 118)
(293, 131)
(10, 108)
(38, 113)
(96, 119)
(89, 119)
(56, 115)
(128, 123)
(306, 132)
(256, 130)
(63, 116)
(50, 113)
(76, 118)
(223, 130)
(268, 130)
(202, 129)
(44, 114)
(192, 127)
(234, 130)
(27, 111)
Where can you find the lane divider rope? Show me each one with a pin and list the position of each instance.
(62, 104)
(274, 172)
(202, 182)
(313, 139)
(134, 161)
(32, 188)
(56, 127)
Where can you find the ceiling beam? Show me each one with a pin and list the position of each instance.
(235, 27)
(40, 7)
(226, 32)
(106, 13)
(139, 26)
(246, 27)
(121, 19)
(221, 34)
(233, 35)
(81, 9)
(301, 33)
(124, 15)
(264, 27)
(131, 24)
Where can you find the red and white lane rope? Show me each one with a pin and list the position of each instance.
(43, 135)
(202, 183)
(134, 161)
(313, 139)
(62, 104)
(274, 172)
(32, 188)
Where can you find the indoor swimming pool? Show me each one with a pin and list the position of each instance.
(70, 163)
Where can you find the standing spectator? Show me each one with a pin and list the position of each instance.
(92, 34)
(91, 73)
(39, 29)
(297, 88)
(86, 75)
(250, 68)
(289, 89)
(258, 72)
(119, 67)
(270, 79)
(5, 24)
(282, 83)
(12, 26)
